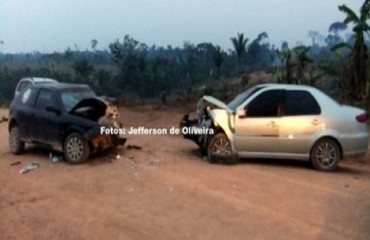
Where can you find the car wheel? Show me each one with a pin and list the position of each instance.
(76, 148)
(325, 155)
(15, 143)
(219, 150)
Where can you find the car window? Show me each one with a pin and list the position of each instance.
(265, 105)
(70, 97)
(238, 100)
(300, 102)
(23, 85)
(28, 97)
(46, 98)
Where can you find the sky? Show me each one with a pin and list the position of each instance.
(54, 25)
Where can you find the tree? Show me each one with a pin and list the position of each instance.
(103, 83)
(358, 75)
(285, 56)
(239, 44)
(219, 58)
(313, 35)
(130, 58)
(68, 53)
(94, 43)
(336, 27)
(259, 51)
(83, 68)
(301, 60)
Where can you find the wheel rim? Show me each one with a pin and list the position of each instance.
(221, 146)
(326, 154)
(14, 138)
(75, 149)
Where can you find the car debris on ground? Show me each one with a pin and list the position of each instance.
(30, 167)
(134, 147)
(15, 163)
(55, 158)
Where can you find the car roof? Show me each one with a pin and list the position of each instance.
(60, 86)
(286, 86)
(39, 79)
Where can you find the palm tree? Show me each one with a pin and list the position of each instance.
(302, 60)
(285, 56)
(239, 44)
(219, 58)
(359, 56)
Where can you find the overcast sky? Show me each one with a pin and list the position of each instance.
(53, 25)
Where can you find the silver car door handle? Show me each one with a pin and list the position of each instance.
(315, 122)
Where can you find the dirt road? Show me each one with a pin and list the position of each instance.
(166, 191)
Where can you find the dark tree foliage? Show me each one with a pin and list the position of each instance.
(239, 44)
(358, 68)
(131, 67)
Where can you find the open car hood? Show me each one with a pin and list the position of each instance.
(98, 105)
(214, 101)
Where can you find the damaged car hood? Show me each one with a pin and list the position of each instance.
(98, 105)
(214, 101)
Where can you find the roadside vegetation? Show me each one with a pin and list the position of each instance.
(128, 69)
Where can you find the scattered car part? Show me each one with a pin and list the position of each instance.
(30, 167)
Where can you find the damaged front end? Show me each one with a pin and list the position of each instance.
(213, 117)
(212, 131)
(100, 141)
(197, 130)
(103, 114)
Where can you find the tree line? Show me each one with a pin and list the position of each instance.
(129, 66)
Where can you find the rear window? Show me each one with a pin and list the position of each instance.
(27, 97)
(300, 102)
(23, 85)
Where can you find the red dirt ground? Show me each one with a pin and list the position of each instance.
(167, 191)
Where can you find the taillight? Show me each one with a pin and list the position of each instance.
(362, 118)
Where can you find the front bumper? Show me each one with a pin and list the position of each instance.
(100, 142)
(192, 129)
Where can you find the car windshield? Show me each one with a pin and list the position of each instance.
(242, 97)
(72, 96)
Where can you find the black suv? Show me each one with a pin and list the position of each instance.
(63, 117)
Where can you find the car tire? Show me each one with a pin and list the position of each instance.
(219, 150)
(325, 155)
(76, 149)
(15, 143)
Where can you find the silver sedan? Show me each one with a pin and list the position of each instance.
(279, 121)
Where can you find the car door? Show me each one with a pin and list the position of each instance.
(48, 123)
(25, 112)
(300, 122)
(258, 130)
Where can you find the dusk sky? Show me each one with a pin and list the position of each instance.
(54, 25)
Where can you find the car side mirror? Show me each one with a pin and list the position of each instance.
(242, 113)
(53, 109)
